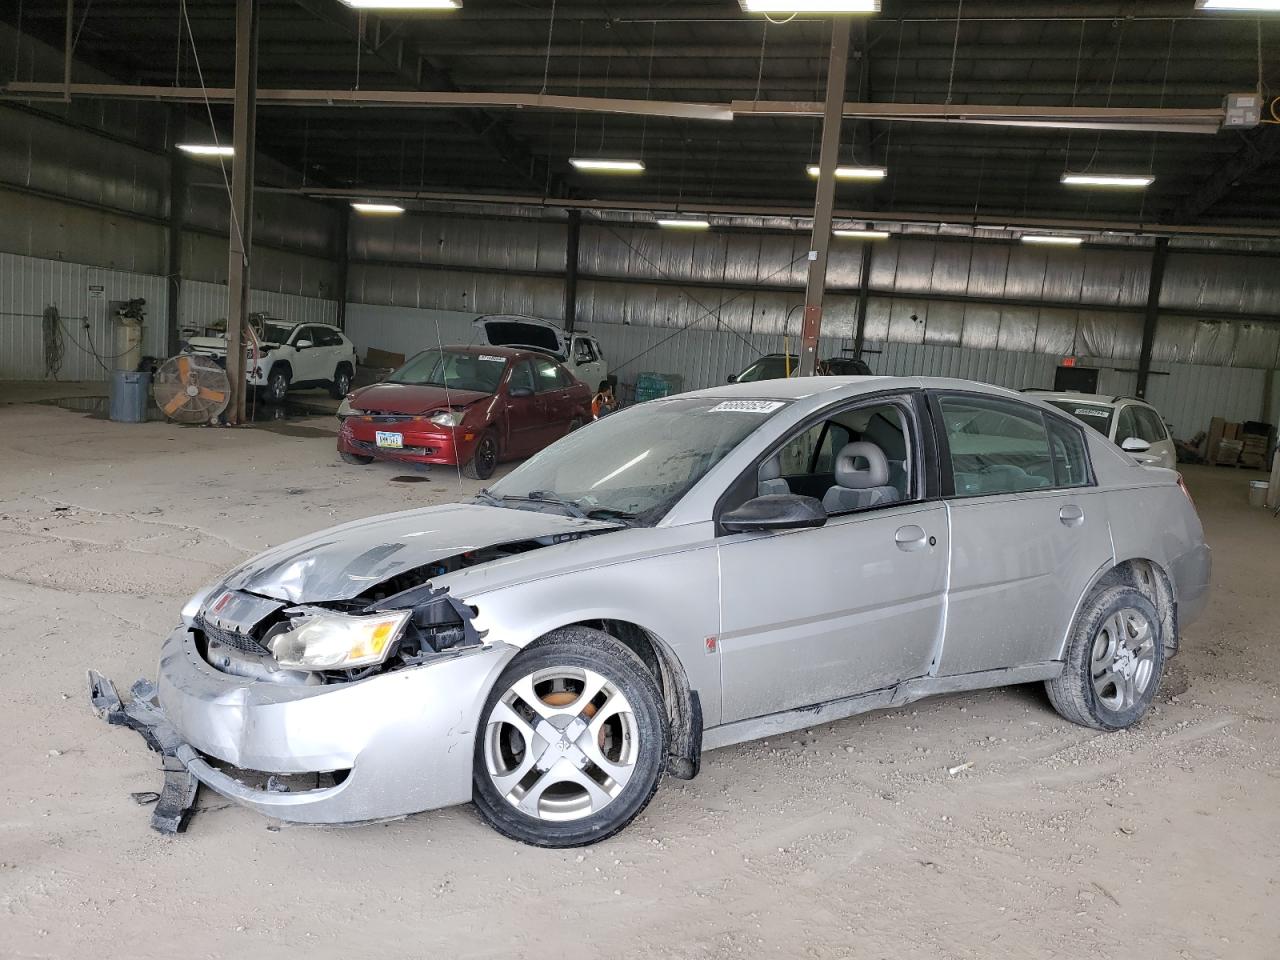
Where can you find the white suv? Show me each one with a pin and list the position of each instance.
(580, 353)
(291, 355)
(1131, 424)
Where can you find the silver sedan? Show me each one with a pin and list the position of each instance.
(689, 573)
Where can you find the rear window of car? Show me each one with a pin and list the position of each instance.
(1096, 415)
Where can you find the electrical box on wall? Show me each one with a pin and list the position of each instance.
(1076, 379)
(1242, 110)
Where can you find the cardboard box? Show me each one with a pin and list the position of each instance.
(1228, 453)
(1216, 427)
(1231, 432)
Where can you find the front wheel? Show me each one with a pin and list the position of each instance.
(1114, 660)
(341, 383)
(484, 460)
(278, 385)
(571, 743)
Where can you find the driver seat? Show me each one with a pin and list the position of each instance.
(770, 480)
(862, 479)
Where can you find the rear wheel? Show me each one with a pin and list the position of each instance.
(355, 458)
(484, 460)
(572, 741)
(341, 384)
(1114, 660)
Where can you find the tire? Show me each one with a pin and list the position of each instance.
(340, 386)
(551, 807)
(278, 384)
(1095, 689)
(355, 458)
(485, 458)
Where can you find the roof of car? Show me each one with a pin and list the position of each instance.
(799, 388)
(510, 353)
(1108, 399)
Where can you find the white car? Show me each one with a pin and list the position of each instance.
(1131, 424)
(290, 355)
(580, 353)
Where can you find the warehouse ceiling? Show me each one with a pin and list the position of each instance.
(1005, 52)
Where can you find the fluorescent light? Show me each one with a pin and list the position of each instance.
(862, 234)
(1107, 180)
(206, 149)
(404, 4)
(810, 6)
(383, 208)
(853, 173)
(1051, 238)
(598, 165)
(683, 224)
(1273, 5)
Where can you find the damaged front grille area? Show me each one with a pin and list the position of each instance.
(229, 638)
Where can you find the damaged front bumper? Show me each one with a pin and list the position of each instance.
(397, 742)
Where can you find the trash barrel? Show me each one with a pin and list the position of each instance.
(1258, 493)
(130, 394)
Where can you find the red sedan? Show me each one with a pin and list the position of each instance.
(470, 406)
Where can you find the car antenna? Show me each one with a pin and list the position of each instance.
(444, 368)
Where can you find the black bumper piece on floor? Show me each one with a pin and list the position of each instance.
(178, 795)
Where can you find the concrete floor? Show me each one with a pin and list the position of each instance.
(850, 840)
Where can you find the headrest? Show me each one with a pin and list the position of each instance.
(771, 469)
(861, 465)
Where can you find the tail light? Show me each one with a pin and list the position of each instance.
(1182, 485)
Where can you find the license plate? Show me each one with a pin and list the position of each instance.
(393, 440)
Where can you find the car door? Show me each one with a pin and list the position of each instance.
(524, 416)
(1029, 530)
(813, 615)
(552, 405)
(1152, 429)
(306, 360)
(331, 350)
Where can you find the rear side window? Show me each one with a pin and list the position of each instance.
(996, 446)
(546, 375)
(583, 351)
(1070, 454)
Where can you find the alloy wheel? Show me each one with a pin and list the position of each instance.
(561, 744)
(1122, 664)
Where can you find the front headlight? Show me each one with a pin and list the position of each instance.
(322, 640)
(447, 418)
(345, 409)
(191, 609)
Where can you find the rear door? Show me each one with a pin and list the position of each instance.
(1029, 530)
(552, 382)
(308, 361)
(524, 413)
(331, 350)
(585, 363)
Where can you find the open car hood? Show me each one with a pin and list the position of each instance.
(343, 562)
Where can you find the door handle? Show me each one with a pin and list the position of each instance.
(1071, 515)
(911, 538)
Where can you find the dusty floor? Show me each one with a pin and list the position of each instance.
(849, 841)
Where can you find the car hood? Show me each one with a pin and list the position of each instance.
(343, 562)
(412, 398)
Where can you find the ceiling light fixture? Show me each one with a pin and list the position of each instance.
(404, 4)
(1246, 5)
(1052, 239)
(862, 234)
(853, 173)
(598, 165)
(1107, 180)
(206, 149)
(387, 209)
(810, 6)
(684, 224)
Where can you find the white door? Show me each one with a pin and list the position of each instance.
(308, 360)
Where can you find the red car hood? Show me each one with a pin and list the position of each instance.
(408, 398)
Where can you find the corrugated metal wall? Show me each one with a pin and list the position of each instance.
(201, 304)
(28, 286)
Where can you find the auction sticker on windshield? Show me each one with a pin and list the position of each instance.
(746, 406)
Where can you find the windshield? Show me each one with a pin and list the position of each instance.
(273, 332)
(768, 368)
(1094, 414)
(636, 464)
(453, 368)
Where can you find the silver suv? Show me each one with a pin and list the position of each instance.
(1131, 424)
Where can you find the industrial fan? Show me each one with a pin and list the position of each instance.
(191, 388)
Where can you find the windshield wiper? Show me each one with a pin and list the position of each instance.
(607, 513)
(485, 495)
(547, 496)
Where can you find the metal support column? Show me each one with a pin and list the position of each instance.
(571, 270)
(832, 115)
(241, 200)
(177, 220)
(343, 251)
(1152, 320)
(864, 294)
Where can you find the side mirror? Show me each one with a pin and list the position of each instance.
(778, 511)
(1134, 445)
(733, 378)
(519, 392)
(302, 344)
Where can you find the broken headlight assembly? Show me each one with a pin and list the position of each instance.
(447, 418)
(326, 640)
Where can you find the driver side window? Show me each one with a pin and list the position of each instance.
(521, 377)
